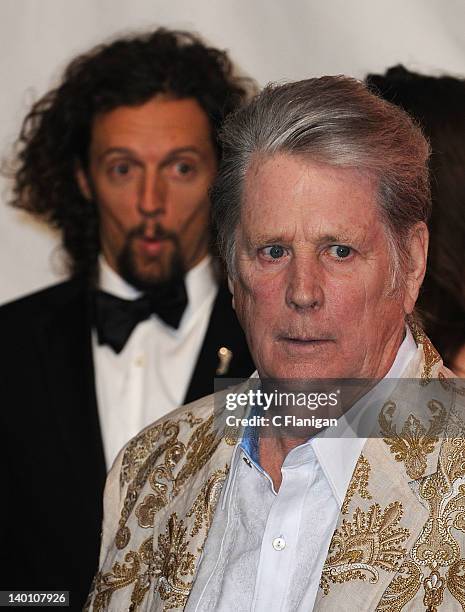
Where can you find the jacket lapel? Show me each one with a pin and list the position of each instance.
(370, 564)
(224, 353)
(64, 342)
(380, 520)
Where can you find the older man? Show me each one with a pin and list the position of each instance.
(321, 205)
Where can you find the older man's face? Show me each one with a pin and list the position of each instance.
(313, 281)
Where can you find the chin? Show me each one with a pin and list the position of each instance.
(292, 371)
(150, 273)
(308, 370)
(145, 272)
(145, 275)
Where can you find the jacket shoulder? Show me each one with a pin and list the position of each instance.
(42, 302)
(177, 430)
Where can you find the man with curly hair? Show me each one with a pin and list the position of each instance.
(119, 157)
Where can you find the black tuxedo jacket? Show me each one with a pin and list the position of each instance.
(52, 462)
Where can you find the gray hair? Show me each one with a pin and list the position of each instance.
(333, 120)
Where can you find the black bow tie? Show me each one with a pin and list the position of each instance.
(115, 318)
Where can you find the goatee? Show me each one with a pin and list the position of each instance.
(127, 265)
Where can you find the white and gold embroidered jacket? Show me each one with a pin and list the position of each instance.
(399, 543)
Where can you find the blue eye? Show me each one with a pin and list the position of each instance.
(340, 251)
(275, 251)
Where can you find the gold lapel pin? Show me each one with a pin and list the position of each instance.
(224, 356)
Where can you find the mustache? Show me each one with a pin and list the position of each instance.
(157, 233)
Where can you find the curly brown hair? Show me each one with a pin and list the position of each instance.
(56, 133)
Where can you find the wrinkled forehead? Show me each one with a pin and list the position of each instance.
(289, 193)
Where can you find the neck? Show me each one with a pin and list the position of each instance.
(272, 451)
(386, 357)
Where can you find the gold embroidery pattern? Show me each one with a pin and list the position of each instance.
(436, 548)
(431, 355)
(434, 587)
(436, 544)
(414, 443)
(143, 580)
(121, 576)
(200, 447)
(456, 581)
(402, 588)
(231, 436)
(358, 483)
(168, 430)
(146, 511)
(169, 564)
(141, 447)
(450, 384)
(172, 562)
(205, 503)
(137, 451)
(371, 540)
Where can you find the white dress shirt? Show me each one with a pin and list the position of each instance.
(150, 376)
(265, 550)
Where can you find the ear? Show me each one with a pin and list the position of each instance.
(231, 289)
(418, 252)
(83, 182)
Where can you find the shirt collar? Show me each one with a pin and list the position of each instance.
(111, 282)
(338, 455)
(200, 282)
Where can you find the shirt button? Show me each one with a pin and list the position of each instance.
(279, 543)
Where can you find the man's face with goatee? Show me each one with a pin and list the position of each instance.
(150, 168)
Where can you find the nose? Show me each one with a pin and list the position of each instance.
(305, 288)
(151, 200)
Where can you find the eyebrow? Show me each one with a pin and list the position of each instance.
(180, 150)
(264, 239)
(260, 238)
(126, 151)
(337, 238)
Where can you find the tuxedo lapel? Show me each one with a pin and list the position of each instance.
(52, 452)
(224, 352)
(64, 342)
